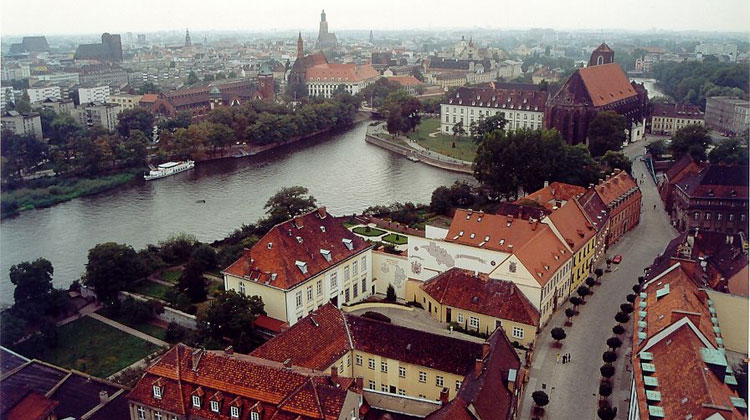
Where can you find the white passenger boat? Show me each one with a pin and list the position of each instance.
(168, 169)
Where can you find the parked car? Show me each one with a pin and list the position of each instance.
(617, 259)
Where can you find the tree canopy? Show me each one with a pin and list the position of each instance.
(231, 315)
(606, 132)
(289, 202)
(135, 119)
(402, 112)
(111, 267)
(486, 126)
(692, 82)
(693, 139)
(730, 152)
(33, 280)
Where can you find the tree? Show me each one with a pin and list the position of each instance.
(630, 298)
(193, 284)
(458, 129)
(575, 301)
(609, 357)
(616, 160)
(607, 371)
(33, 280)
(64, 130)
(177, 248)
(569, 312)
(729, 152)
(618, 329)
(606, 132)
(445, 199)
(192, 78)
(606, 412)
(203, 258)
(23, 105)
(540, 398)
(622, 317)
(614, 343)
(148, 87)
(12, 328)
(111, 267)
(208, 78)
(627, 308)
(693, 139)
(576, 166)
(134, 149)
(599, 273)
(558, 334)
(657, 149)
(22, 152)
(605, 389)
(288, 203)
(636, 288)
(231, 315)
(590, 282)
(583, 291)
(135, 119)
(390, 294)
(487, 125)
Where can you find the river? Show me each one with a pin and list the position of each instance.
(650, 85)
(344, 173)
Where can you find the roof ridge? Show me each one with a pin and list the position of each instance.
(179, 378)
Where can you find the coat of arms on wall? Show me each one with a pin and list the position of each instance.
(416, 267)
(512, 267)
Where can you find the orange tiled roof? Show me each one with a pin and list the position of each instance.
(276, 260)
(34, 406)
(500, 299)
(406, 80)
(556, 191)
(573, 225)
(617, 185)
(543, 255)
(149, 98)
(236, 380)
(348, 72)
(606, 83)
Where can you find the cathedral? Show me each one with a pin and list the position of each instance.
(601, 86)
(326, 40)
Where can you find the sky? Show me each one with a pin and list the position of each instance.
(51, 17)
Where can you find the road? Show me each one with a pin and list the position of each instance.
(573, 387)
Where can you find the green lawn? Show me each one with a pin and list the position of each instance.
(171, 276)
(395, 239)
(90, 346)
(150, 288)
(362, 230)
(146, 328)
(465, 148)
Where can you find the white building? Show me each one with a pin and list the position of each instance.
(521, 106)
(97, 113)
(93, 94)
(57, 78)
(324, 79)
(23, 124)
(40, 93)
(730, 50)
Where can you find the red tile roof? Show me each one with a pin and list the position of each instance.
(34, 406)
(500, 299)
(573, 225)
(238, 380)
(349, 72)
(556, 191)
(278, 257)
(685, 111)
(595, 208)
(489, 97)
(606, 83)
(615, 187)
(406, 80)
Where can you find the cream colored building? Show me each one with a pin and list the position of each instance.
(125, 101)
(666, 119)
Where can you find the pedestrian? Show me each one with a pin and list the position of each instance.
(568, 357)
(557, 358)
(654, 206)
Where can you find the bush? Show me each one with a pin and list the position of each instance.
(376, 316)
(414, 304)
(599, 272)
(540, 398)
(569, 312)
(630, 298)
(614, 343)
(605, 389)
(390, 294)
(622, 317)
(636, 288)
(175, 333)
(590, 281)
(607, 371)
(606, 412)
(627, 308)
(618, 329)
(609, 357)
(558, 334)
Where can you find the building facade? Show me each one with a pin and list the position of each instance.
(110, 49)
(88, 94)
(23, 124)
(620, 194)
(666, 119)
(323, 80)
(61, 106)
(573, 228)
(98, 114)
(727, 115)
(125, 101)
(40, 93)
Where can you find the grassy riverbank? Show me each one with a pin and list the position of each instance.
(47, 192)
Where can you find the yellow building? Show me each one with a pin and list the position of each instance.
(390, 359)
(571, 225)
(302, 264)
(666, 119)
(475, 302)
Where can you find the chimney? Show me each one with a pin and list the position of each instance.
(229, 350)
(197, 354)
(322, 212)
(512, 380)
(617, 170)
(591, 185)
(694, 317)
(546, 184)
(359, 383)
(485, 349)
(334, 372)
(533, 226)
(246, 264)
(608, 176)
(299, 222)
(288, 363)
(444, 396)
(103, 397)
(478, 365)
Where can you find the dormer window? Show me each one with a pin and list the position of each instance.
(326, 254)
(461, 233)
(196, 401)
(348, 243)
(254, 416)
(270, 245)
(486, 238)
(157, 392)
(234, 412)
(302, 266)
(472, 236)
(299, 239)
(215, 406)
(323, 229)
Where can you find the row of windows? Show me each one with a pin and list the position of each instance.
(333, 279)
(215, 406)
(439, 382)
(707, 216)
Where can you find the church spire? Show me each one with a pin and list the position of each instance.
(300, 46)
(187, 38)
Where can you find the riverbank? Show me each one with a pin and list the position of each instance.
(61, 190)
(403, 146)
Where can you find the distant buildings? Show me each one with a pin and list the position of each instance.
(409, 83)
(43, 91)
(23, 124)
(125, 101)
(15, 71)
(666, 119)
(202, 98)
(727, 115)
(103, 74)
(59, 106)
(326, 40)
(92, 93)
(452, 72)
(521, 107)
(30, 44)
(109, 50)
(97, 113)
(602, 86)
(727, 50)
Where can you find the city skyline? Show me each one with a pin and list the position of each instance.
(38, 17)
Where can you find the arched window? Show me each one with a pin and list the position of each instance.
(599, 60)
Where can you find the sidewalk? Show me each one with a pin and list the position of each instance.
(131, 331)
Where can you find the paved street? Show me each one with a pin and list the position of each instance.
(573, 388)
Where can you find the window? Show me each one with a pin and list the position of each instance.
(196, 401)
(474, 322)
(364, 285)
(355, 268)
(346, 295)
(215, 406)
(401, 392)
(458, 385)
(460, 318)
(742, 218)
(371, 363)
(157, 392)
(383, 388)
(254, 416)
(401, 372)
(439, 381)
(334, 281)
(242, 288)
(309, 293)
(718, 216)
(358, 360)
(141, 413)
(341, 366)
(696, 215)
(363, 264)
(157, 415)
(384, 367)
(371, 385)
(319, 287)
(355, 290)
(346, 274)
(298, 298)
(708, 215)
(731, 217)
(235, 413)
(422, 377)
(517, 332)
(348, 360)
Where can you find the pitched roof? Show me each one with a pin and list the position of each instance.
(595, 208)
(619, 184)
(406, 80)
(603, 48)
(685, 111)
(521, 210)
(348, 72)
(554, 192)
(33, 406)
(238, 380)
(497, 298)
(721, 181)
(573, 225)
(606, 83)
(490, 97)
(316, 342)
(297, 250)
(543, 255)
(680, 168)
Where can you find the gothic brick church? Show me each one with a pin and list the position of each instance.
(602, 86)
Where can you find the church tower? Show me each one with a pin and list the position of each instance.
(300, 46)
(602, 55)
(187, 38)
(323, 26)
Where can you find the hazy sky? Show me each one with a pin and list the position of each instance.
(97, 16)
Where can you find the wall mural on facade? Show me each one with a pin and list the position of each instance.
(440, 254)
(399, 275)
(472, 257)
